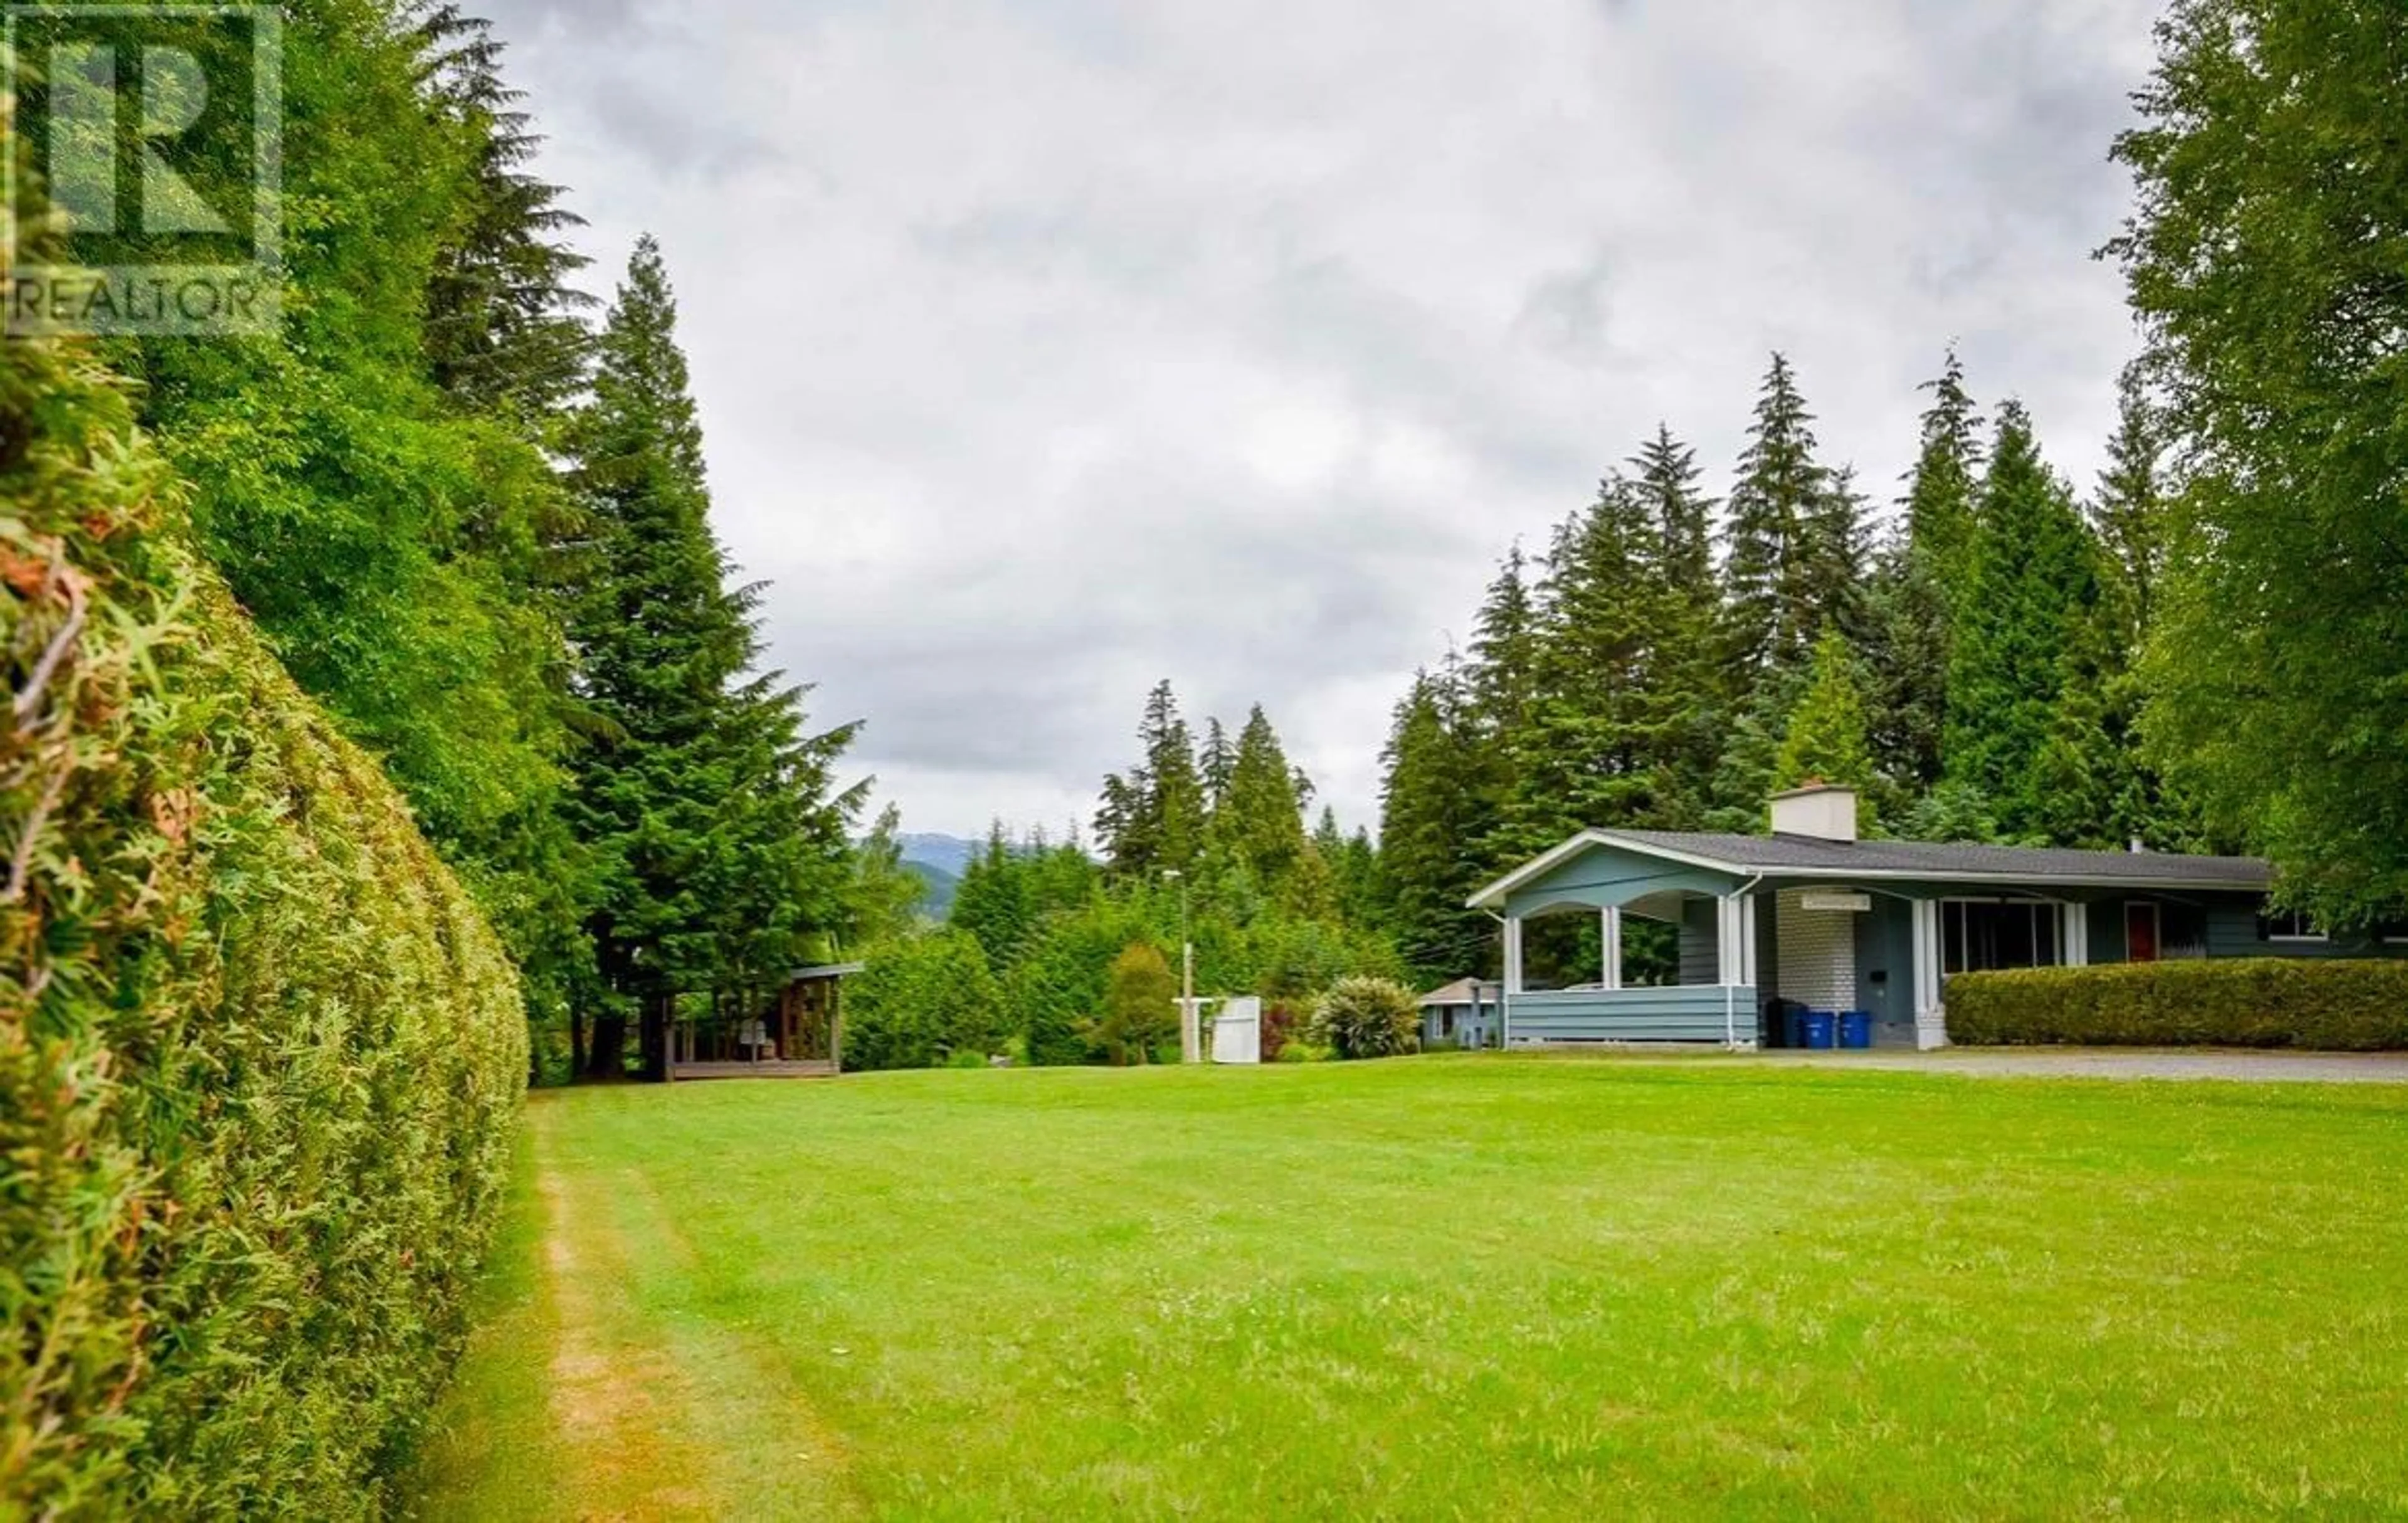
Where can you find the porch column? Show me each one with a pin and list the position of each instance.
(1729, 968)
(1930, 1019)
(1747, 969)
(2074, 939)
(1610, 927)
(1513, 954)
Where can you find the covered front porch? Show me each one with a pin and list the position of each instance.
(1745, 949)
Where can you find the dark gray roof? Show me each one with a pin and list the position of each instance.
(1781, 856)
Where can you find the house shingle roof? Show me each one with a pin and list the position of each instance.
(1787, 855)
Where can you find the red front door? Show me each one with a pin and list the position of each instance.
(2140, 933)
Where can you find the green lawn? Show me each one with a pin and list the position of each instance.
(1447, 1288)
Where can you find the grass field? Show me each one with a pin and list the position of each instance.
(1443, 1288)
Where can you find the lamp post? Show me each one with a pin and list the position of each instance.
(1191, 1036)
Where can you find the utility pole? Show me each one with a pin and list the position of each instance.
(1191, 1030)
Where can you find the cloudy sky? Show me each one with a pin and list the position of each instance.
(1048, 348)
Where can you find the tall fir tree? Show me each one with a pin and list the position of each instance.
(1430, 816)
(708, 806)
(1264, 813)
(1920, 579)
(1689, 667)
(505, 324)
(1771, 564)
(1153, 818)
(1939, 504)
(2034, 579)
(1598, 745)
(2132, 510)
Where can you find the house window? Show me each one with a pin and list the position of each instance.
(1980, 936)
(2288, 926)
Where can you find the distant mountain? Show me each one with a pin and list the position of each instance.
(937, 902)
(948, 854)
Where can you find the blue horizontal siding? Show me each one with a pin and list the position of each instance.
(1688, 1014)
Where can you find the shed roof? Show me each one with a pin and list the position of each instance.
(1791, 856)
(825, 972)
(1463, 991)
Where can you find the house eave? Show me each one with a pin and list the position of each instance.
(1494, 896)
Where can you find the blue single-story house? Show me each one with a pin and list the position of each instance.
(1811, 914)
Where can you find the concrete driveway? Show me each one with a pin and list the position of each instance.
(2117, 1063)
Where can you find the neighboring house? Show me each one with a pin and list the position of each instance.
(1811, 914)
(1467, 1012)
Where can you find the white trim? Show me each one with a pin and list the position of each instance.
(1747, 969)
(1930, 1015)
(2267, 918)
(1489, 897)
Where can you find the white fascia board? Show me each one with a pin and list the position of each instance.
(1496, 893)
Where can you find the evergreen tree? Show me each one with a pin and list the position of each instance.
(1153, 819)
(1430, 815)
(1922, 576)
(2034, 579)
(1940, 495)
(883, 899)
(1217, 761)
(2131, 508)
(1664, 478)
(1906, 622)
(1354, 865)
(1597, 750)
(1264, 812)
(1826, 740)
(1774, 560)
(504, 327)
(1689, 669)
(994, 903)
(705, 802)
(1503, 676)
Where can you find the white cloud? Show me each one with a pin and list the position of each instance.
(1047, 348)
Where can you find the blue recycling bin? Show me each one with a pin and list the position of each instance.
(1821, 1030)
(1793, 1026)
(1856, 1029)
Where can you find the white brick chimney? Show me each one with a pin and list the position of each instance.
(1823, 811)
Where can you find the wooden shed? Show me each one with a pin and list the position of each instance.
(799, 1036)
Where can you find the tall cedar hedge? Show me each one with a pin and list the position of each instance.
(2337, 1006)
(260, 1057)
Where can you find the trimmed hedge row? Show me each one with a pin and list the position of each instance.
(2318, 1005)
(260, 1057)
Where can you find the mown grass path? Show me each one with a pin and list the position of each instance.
(1443, 1288)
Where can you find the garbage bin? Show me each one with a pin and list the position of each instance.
(1820, 1028)
(1856, 1029)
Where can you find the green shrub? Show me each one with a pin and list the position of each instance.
(1141, 1008)
(1300, 1050)
(260, 1057)
(921, 1001)
(2331, 1006)
(1367, 1017)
